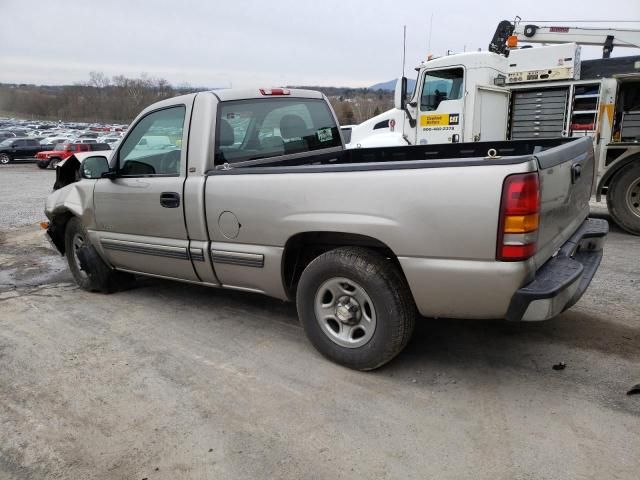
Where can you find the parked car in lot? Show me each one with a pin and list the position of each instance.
(18, 149)
(111, 141)
(51, 158)
(93, 135)
(55, 140)
(4, 135)
(360, 239)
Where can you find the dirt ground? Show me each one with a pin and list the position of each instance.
(175, 381)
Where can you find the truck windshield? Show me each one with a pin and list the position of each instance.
(441, 85)
(268, 127)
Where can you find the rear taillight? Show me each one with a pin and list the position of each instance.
(519, 217)
(274, 91)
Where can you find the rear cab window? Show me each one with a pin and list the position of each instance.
(269, 127)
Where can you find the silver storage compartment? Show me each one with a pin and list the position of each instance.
(538, 113)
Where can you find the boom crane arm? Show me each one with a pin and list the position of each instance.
(606, 37)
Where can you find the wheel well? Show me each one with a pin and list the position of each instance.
(302, 248)
(57, 228)
(605, 181)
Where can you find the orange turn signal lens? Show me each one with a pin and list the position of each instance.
(44, 225)
(521, 223)
(512, 41)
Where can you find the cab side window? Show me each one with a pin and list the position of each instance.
(441, 85)
(154, 145)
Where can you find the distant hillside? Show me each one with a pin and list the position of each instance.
(391, 85)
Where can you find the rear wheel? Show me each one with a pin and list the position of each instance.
(4, 159)
(355, 307)
(88, 269)
(623, 198)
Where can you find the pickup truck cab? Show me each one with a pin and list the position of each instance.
(255, 192)
(51, 158)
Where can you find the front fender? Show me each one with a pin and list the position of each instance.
(74, 200)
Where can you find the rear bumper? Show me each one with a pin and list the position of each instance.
(561, 281)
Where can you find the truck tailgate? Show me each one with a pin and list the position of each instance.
(566, 176)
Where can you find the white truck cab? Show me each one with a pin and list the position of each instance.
(464, 97)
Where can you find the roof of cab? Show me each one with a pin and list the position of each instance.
(468, 60)
(246, 93)
(231, 94)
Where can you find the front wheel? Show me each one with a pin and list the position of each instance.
(53, 163)
(42, 164)
(623, 198)
(355, 307)
(88, 269)
(5, 159)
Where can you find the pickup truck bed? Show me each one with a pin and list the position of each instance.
(436, 216)
(482, 230)
(413, 156)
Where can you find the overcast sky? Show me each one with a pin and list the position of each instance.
(260, 43)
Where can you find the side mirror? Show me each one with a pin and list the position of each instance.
(94, 167)
(400, 95)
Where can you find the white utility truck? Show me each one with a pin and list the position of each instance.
(516, 93)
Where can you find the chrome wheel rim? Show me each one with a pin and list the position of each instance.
(345, 312)
(633, 197)
(77, 243)
(4, 159)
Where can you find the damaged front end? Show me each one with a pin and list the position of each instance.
(67, 172)
(72, 196)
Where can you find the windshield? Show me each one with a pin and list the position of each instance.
(6, 143)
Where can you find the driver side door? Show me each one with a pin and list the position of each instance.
(139, 214)
(441, 107)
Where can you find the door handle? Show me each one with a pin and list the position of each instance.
(576, 171)
(170, 199)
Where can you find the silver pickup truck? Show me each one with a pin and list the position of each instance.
(253, 190)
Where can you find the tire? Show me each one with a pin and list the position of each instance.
(623, 198)
(88, 269)
(42, 164)
(53, 163)
(355, 307)
(4, 159)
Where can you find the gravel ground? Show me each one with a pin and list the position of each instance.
(176, 381)
(24, 187)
